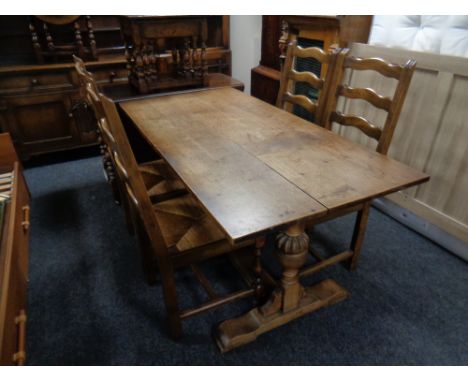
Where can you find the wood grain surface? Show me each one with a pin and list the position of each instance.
(255, 167)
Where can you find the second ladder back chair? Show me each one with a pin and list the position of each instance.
(160, 181)
(290, 76)
(88, 87)
(176, 232)
(392, 105)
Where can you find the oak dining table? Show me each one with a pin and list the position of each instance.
(256, 169)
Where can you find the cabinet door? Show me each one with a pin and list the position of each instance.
(40, 122)
(14, 297)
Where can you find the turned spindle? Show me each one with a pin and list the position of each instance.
(78, 39)
(186, 58)
(92, 39)
(258, 286)
(35, 42)
(50, 41)
(204, 66)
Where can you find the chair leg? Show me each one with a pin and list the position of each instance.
(170, 297)
(111, 176)
(115, 189)
(358, 234)
(147, 255)
(127, 211)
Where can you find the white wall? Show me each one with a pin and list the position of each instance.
(245, 34)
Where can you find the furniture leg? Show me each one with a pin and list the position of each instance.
(358, 234)
(170, 297)
(288, 302)
(258, 287)
(147, 254)
(127, 210)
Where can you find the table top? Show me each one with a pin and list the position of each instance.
(255, 167)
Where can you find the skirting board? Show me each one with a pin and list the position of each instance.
(422, 226)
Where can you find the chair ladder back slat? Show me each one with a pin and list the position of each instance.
(131, 194)
(289, 77)
(312, 52)
(302, 101)
(366, 94)
(109, 138)
(378, 64)
(308, 77)
(120, 166)
(93, 98)
(92, 92)
(359, 122)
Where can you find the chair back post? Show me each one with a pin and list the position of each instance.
(395, 109)
(335, 76)
(284, 81)
(88, 87)
(142, 209)
(90, 93)
(92, 97)
(329, 80)
(84, 75)
(127, 169)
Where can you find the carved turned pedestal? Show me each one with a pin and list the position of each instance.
(288, 302)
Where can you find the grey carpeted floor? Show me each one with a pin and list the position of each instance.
(89, 305)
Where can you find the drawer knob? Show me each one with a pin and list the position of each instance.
(34, 81)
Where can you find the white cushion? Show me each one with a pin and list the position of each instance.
(455, 39)
(436, 34)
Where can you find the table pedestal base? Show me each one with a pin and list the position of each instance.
(246, 328)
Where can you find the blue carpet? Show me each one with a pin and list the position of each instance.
(89, 304)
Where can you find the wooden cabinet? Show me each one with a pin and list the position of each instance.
(46, 121)
(320, 31)
(14, 247)
(40, 103)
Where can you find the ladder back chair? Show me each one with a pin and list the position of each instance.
(176, 232)
(86, 80)
(160, 181)
(392, 105)
(289, 77)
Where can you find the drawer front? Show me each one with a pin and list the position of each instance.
(14, 330)
(108, 75)
(14, 83)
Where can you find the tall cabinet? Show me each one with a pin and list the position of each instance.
(321, 31)
(40, 102)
